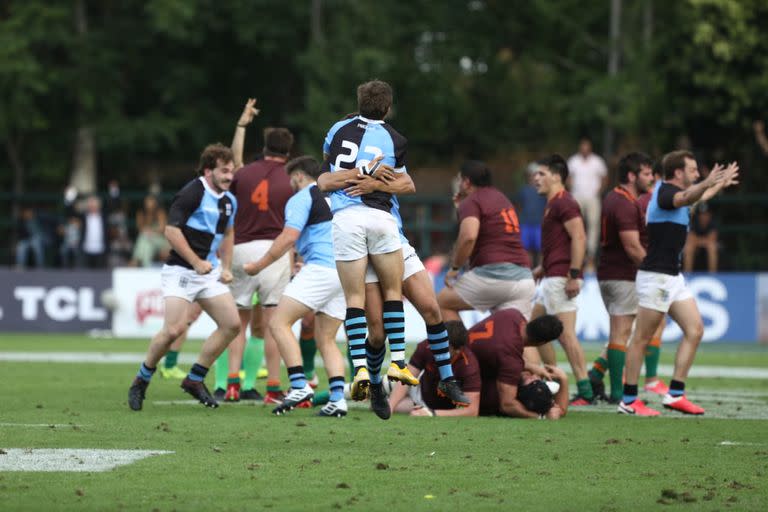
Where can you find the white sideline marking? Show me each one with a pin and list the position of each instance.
(735, 443)
(731, 372)
(41, 425)
(70, 460)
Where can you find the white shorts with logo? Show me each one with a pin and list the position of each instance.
(318, 288)
(411, 265)
(270, 282)
(659, 291)
(177, 281)
(551, 295)
(359, 231)
(488, 294)
(619, 297)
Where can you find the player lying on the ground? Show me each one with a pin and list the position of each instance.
(200, 223)
(426, 399)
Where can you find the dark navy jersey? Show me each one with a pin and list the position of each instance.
(355, 141)
(308, 212)
(203, 216)
(667, 231)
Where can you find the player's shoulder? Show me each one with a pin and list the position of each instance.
(506, 320)
(193, 188)
(341, 124)
(564, 200)
(397, 138)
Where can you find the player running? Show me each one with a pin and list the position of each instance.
(316, 288)
(660, 285)
(200, 223)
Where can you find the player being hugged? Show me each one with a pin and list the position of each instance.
(364, 228)
(200, 223)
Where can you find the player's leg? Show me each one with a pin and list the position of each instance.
(352, 277)
(621, 329)
(646, 322)
(235, 358)
(375, 346)
(598, 371)
(253, 355)
(308, 347)
(710, 243)
(170, 368)
(450, 304)
(174, 323)
(288, 312)
(686, 314)
(653, 383)
(272, 357)
(326, 327)
(546, 351)
(575, 355)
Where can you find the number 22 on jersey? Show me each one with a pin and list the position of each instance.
(260, 196)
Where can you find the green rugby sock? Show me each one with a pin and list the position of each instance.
(321, 398)
(616, 356)
(171, 359)
(585, 389)
(308, 351)
(598, 368)
(221, 368)
(652, 354)
(252, 359)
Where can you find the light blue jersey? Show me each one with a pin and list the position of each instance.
(307, 211)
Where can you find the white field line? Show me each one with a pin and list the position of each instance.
(40, 425)
(731, 372)
(70, 460)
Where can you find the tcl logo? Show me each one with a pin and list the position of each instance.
(61, 303)
(149, 303)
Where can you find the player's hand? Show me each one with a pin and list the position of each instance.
(226, 276)
(252, 268)
(297, 267)
(555, 413)
(203, 267)
(365, 168)
(540, 371)
(538, 273)
(385, 173)
(450, 278)
(555, 373)
(249, 112)
(731, 175)
(421, 411)
(360, 185)
(572, 288)
(716, 175)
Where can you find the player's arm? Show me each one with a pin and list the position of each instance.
(630, 241)
(179, 244)
(225, 254)
(337, 179)
(693, 193)
(575, 229)
(284, 241)
(182, 207)
(465, 243)
(402, 184)
(560, 407)
(731, 178)
(508, 403)
(238, 141)
(473, 409)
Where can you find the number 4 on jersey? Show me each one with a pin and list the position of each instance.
(260, 196)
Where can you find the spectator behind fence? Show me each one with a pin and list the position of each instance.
(151, 242)
(530, 206)
(93, 236)
(703, 235)
(31, 238)
(69, 250)
(588, 177)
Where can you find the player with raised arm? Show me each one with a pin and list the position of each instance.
(563, 242)
(499, 274)
(315, 288)
(364, 228)
(660, 285)
(200, 223)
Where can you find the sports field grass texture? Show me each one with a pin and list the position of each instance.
(241, 457)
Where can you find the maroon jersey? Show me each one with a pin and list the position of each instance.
(261, 188)
(465, 368)
(499, 238)
(497, 342)
(620, 212)
(555, 240)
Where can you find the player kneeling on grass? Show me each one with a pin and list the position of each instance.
(316, 288)
(498, 342)
(426, 398)
(199, 224)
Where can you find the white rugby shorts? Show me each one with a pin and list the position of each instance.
(619, 297)
(177, 281)
(659, 291)
(551, 294)
(360, 230)
(318, 288)
(489, 294)
(411, 265)
(270, 282)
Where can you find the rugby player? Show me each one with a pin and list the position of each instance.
(499, 274)
(425, 399)
(498, 342)
(562, 246)
(660, 285)
(200, 223)
(315, 288)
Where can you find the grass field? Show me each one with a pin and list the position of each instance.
(240, 457)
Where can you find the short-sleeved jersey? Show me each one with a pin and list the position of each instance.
(498, 240)
(620, 212)
(497, 342)
(466, 370)
(644, 200)
(357, 140)
(203, 216)
(309, 213)
(555, 240)
(262, 189)
(667, 230)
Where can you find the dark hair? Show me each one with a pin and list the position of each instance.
(674, 161)
(457, 333)
(657, 170)
(556, 165)
(543, 330)
(477, 173)
(212, 154)
(374, 99)
(305, 164)
(277, 141)
(631, 163)
(535, 396)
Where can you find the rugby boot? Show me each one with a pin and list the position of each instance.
(198, 390)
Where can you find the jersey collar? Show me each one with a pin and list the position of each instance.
(626, 193)
(371, 121)
(209, 189)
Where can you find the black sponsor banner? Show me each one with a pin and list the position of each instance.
(53, 301)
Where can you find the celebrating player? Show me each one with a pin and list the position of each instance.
(660, 285)
(200, 223)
